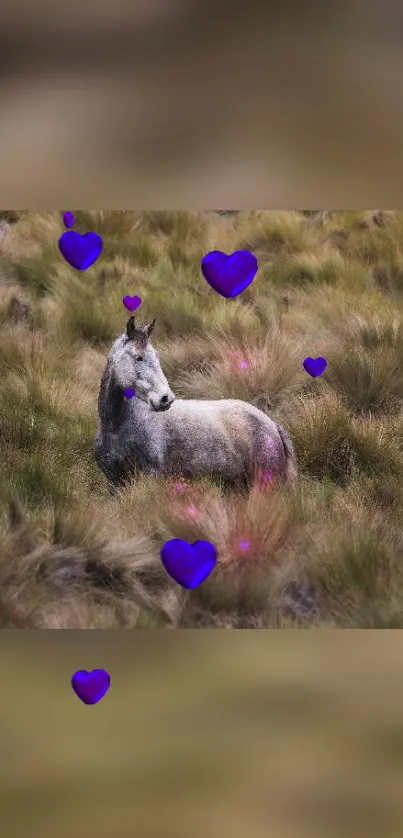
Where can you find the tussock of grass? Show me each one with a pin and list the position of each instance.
(304, 269)
(329, 554)
(264, 371)
(87, 320)
(269, 234)
(369, 382)
(354, 573)
(365, 366)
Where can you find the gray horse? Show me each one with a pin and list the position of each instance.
(159, 434)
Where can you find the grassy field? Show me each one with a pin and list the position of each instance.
(328, 554)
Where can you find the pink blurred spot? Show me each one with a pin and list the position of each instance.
(264, 479)
(244, 544)
(240, 362)
(192, 511)
(179, 487)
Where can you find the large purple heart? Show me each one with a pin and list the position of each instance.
(131, 303)
(91, 686)
(80, 251)
(229, 275)
(188, 564)
(315, 366)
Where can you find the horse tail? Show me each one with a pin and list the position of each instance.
(290, 456)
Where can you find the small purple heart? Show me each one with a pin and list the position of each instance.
(129, 392)
(188, 564)
(315, 366)
(132, 303)
(91, 686)
(68, 218)
(80, 251)
(229, 275)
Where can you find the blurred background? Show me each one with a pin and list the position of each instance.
(201, 103)
(282, 733)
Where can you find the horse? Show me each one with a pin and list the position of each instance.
(158, 434)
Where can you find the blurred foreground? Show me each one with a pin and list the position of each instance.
(243, 734)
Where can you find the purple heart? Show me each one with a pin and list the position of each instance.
(129, 392)
(188, 564)
(91, 686)
(315, 366)
(132, 303)
(68, 218)
(80, 251)
(229, 275)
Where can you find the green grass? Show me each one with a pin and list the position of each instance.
(35, 274)
(331, 286)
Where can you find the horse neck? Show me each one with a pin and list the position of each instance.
(113, 407)
(111, 401)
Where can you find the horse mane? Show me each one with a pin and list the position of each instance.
(111, 399)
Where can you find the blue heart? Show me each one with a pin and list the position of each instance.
(315, 366)
(91, 686)
(229, 275)
(68, 218)
(80, 251)
(188, 564)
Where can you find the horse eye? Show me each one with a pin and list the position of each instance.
(139, 358)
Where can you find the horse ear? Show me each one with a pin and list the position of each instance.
(150, 328)
(130, 328)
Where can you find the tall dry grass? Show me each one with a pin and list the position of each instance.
(329, 554)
